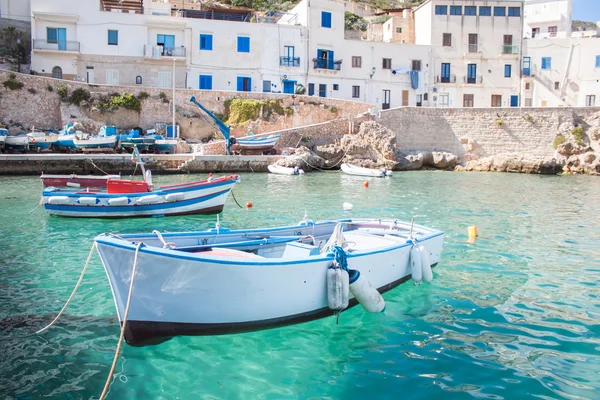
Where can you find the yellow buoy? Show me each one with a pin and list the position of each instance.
(472, 230)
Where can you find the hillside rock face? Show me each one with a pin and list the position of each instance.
(304, 159)
(513, 163)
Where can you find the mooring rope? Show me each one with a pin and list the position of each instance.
(74, 290)
(166, 245)
(236, 202)
(95, 166)
(122, 335)
(39, 204)
(324, 168)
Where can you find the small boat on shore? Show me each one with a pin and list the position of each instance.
(279, 170)
(87, 141)
(361, 171)
(18, 142)
(224, 281)
(42, 140)
(257, 143)
(3, 135)
(74, 180)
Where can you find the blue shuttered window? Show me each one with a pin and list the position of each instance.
(206, 42)
(51, 35)
(485, 11)
(507, 71)
(455, 10)
(546, 62)
(470, 10)
(499, 11)
(597, 61)
(514, 11)
(325, 19)
(243, 44)
(113, 37)
(205, 82)
(441, 10)
(311, 89)
(244, 84)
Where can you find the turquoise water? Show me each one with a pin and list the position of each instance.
(515, 315)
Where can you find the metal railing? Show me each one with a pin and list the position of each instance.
(323, 63)
(285, 61)
(474, 48)
(445, 79)
(506, 49)
(200, 14)
(157, 51)
(60, 45)
(473, 80)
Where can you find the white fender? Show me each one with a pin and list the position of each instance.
(366, 295)
(88, 200)
(345, 289)
(425, 264)
(152, 198)
(175, 196)
(334, 288)
(415, 265)
(59, 200)
(118, 201)
(73, 184)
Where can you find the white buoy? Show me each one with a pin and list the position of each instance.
(415, 265)
(366, 295)
(425, 264)
(337, 289)
(347, 206)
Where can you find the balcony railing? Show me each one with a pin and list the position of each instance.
(473, 80)
(289, 61)
(157, 52)
(323, 63)
(506, 49)
(61, 45)
(445, 79)
(474, 48)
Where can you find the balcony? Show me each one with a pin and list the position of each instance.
(323, 63)
(61, 45)
(473, 49)
(509, 50)
(157, 52)
(473, 80)
(289, 61)
(445, 79)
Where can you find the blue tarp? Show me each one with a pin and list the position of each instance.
(414, 79)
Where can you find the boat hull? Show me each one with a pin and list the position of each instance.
(82, 180)
(262, 143)
(276, 169)
(103, 142)
(179, 293)
(194, 198)
(360, 171)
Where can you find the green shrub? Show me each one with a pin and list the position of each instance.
(50, 88)
(334, 109)
(274, 106)
(162, 95)
(577, 133)
(12, 77)
(528, 117)
(62, 92)
(79, 95)
(326, 106)
(288, 111)
(12, 83)
(32, 90)
(499, 122)
(142, 96)
(243, 110)
(558, 141)
(126, 100)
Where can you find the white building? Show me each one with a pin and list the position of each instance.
(476, 47)
(561, 72)
(19, 10)
(548, 19)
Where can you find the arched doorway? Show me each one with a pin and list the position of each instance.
(57, 72)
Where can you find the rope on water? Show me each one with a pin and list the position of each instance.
(74, 290)
(39, 204)
(122, 335)
(236, 202)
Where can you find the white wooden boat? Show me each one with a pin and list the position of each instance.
(19, 142)
(42, 140)
(279, 170)
(361, 171)
(85, 141)
(257, 143)
(3, 135)
(226, 281)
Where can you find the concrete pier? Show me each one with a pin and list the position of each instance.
(35, 164)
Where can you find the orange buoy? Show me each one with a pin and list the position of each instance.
(249, 204)
(366, 184)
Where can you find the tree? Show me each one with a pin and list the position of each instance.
(353, 22)
(14, 47)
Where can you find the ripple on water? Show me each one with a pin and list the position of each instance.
(512, 316)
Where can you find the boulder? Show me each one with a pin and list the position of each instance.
(514, 163)
(443, 160)
(569, 148)
(304, 159)
(589, 158)
(408, 162)
(331, 153)
(372, 142)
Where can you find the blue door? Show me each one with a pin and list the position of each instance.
(445, 72)
(472, 73)
(514, 101)
(244, 84)
(62, 38)
(526, 66)
(289, 87)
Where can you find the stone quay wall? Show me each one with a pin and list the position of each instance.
(35, 105)
(472, 133)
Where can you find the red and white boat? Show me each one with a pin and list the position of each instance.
(76, 180)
